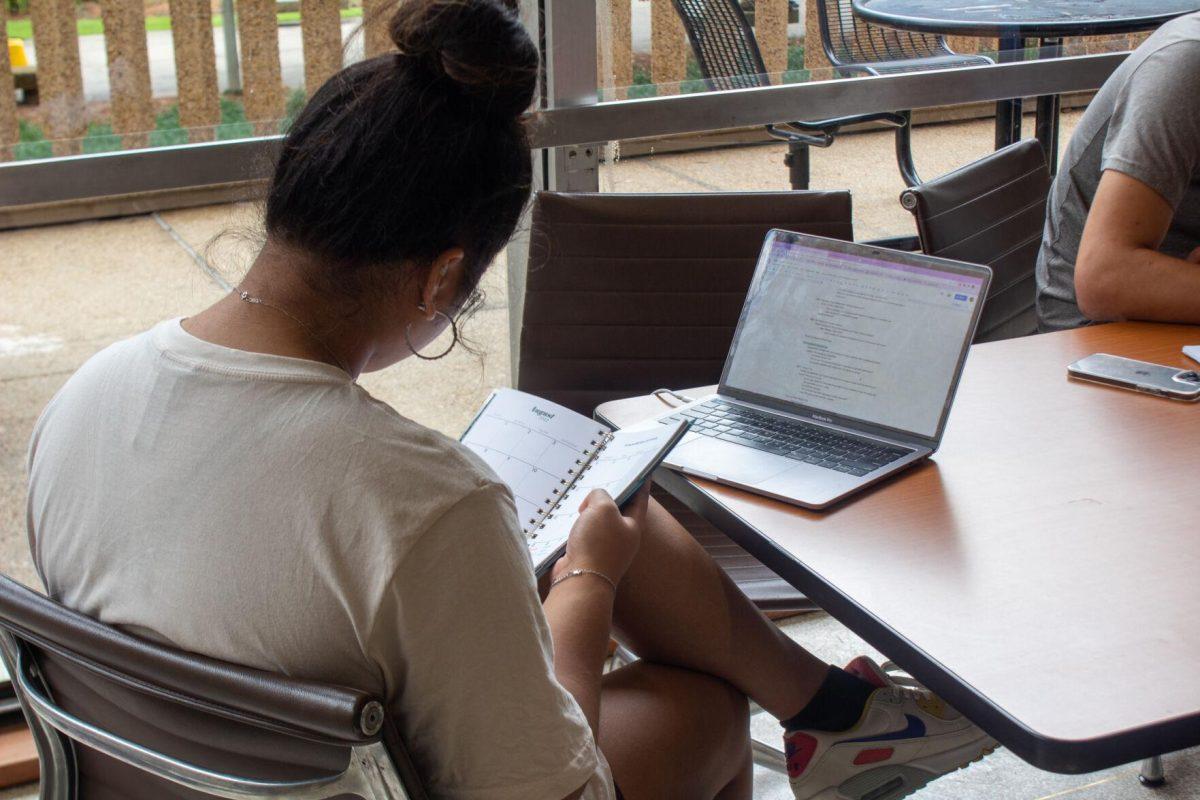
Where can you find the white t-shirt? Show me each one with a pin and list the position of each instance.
(268, 511)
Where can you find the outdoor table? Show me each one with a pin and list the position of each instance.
(1039, 572)
(1014, 22)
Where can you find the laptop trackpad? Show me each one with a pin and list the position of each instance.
(727, 460)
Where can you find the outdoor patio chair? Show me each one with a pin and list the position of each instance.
(856, 47)
(729, 58)
(628, 293)
(991, 211)
(117, 717)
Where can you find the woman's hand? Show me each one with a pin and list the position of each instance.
(604, 538)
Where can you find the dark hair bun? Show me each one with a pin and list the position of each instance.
(479, 45)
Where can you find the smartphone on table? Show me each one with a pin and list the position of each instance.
(1138, 376)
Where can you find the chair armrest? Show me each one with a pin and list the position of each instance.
(349, 781)
(317, 711)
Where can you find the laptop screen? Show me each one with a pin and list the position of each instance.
(856, 331)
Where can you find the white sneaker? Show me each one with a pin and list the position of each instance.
(905, 738)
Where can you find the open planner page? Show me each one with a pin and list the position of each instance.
(535, 446)
(619, 468)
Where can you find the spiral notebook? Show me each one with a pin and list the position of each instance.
(551, 457)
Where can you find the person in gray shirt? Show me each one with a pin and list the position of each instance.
(1122, 237)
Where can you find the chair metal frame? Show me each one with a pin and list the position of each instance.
(929, 52)
(736, 63)
(885, 51)
(370, 774)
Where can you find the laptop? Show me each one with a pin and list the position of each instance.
(841, 371)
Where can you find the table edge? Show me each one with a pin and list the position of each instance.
(1023, 30)
(1053, 754)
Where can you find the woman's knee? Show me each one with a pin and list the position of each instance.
(671, 732)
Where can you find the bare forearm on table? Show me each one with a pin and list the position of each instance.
(1119, 271)
(1138, 284)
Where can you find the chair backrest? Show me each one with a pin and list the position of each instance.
(991, 211)
(117, 717)
(724, 43)
(627, 293)
(849, 39)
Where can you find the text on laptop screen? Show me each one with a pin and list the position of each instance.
(859, 336)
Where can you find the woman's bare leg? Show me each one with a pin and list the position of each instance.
(671, 733)
(676, 607)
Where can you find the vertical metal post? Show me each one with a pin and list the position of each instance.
(570, 63)
(1008, 112)
(517, 252)
(233, 72)
(1048, 109)
(567, 32)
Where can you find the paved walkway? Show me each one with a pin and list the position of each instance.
(70, 290)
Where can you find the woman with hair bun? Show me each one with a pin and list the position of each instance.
(221, 482)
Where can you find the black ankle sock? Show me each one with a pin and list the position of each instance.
(836, 706)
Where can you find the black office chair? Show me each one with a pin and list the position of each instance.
(609, 316)
(991, 211)
(116, 717)
(729, 58)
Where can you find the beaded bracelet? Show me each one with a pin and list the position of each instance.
(575, 573)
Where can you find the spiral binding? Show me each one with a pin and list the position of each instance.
(582, 465)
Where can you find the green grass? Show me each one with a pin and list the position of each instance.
(23, 28)
(32, 143)
(100, 139)
(643, 84)
(167, 130)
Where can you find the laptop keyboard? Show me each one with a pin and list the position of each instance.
(792, 438)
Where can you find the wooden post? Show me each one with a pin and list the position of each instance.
(668, 47)
(971, 44)
(321, 33)
(9, 132)
(620, 48)
(60, 81)
(814, 51)
(376, 15)
(195, 67)
(622, 44)
(262, 80)
(770, 29)
(128, 69)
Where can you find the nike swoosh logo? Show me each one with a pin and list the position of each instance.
(913, 730)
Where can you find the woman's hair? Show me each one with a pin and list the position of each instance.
(403, 156)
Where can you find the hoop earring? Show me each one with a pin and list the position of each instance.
(453, 342)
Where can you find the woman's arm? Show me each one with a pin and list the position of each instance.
(580, 615)
(579, 607)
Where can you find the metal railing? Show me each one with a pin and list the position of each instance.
(109, 182)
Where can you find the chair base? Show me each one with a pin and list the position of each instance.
(1151, 775)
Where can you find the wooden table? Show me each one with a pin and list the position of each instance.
(1042, 572)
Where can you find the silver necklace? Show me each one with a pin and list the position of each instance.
(258, 301)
